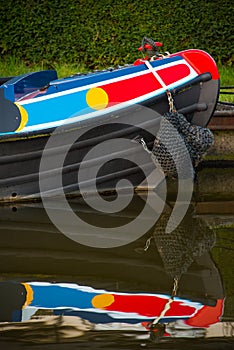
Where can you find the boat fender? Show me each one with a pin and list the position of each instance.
(197, 140)
(13, 116)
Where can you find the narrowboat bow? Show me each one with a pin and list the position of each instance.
(84, 110)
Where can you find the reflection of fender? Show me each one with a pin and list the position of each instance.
(13, 116)
(13, 296)
(207, 315)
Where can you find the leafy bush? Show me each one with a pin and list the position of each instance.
(108, 32)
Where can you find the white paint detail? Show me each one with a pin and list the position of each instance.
(118, 106)
(109, 81)
(154, 72)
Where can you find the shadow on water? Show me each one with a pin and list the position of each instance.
(163, 291)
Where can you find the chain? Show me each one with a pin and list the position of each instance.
(175, 287)
(147, 243)
(168, 304)
(142, 142)
(172, 108)
(171, 102)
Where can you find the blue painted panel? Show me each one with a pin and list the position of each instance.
(91, 78)
(26, 83)
(55, 109)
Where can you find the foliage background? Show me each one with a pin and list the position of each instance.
(108, 32)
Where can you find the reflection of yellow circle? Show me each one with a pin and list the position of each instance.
(102, 300)
(24, 117)
(97, 98)
(29, 294)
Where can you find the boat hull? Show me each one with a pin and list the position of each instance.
(21, 154)
(63, 152)
(37, 129)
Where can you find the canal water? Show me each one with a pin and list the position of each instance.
(101, 283)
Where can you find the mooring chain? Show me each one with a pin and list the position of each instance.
(147, 243)
(175, 287)
(144, 145)
(172, 108)
(168, 304)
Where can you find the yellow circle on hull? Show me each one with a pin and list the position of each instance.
(24, 117)
(97, 98)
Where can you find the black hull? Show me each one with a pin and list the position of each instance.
(20, 154)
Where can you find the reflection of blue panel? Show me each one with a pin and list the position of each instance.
(99, 317)
(53, 296)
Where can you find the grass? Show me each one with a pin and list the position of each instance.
(223, 256)
(11, 66)
(226, 79)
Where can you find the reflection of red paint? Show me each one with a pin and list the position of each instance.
(149, 306)
(148, 327)
(207, 315)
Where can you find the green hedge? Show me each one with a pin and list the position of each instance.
(108, 32)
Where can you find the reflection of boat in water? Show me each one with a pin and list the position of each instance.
(26, 229)
(126, 285)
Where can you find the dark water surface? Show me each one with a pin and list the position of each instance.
(56, 293)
